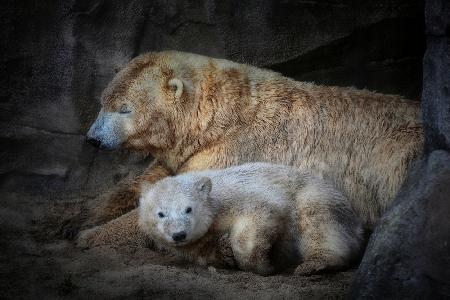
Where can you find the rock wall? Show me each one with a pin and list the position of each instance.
(57, 57)
(408, 256)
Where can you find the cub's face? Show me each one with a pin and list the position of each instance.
(140, 107)
(177, 212)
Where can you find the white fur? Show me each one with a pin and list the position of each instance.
(256, 205)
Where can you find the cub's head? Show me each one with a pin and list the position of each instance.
(177, 210)
(145, 105)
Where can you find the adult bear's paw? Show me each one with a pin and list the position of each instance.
(70, 227)
(90, 238)
(123, 231)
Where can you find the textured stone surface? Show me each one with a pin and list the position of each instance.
(362, 59)
(408, 256)
(437, 17)
(436, 76)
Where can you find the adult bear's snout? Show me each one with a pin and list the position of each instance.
(105, 132)
(93, 141)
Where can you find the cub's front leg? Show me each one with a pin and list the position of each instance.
(252, 237)
(226, 251)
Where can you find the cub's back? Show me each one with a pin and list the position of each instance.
(247, 185)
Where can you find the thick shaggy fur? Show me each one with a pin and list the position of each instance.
(238, 214)
(193, 112)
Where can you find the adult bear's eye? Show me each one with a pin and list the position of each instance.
(188, 210)
(161, 215)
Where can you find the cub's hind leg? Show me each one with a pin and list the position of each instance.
(252, 237)
(330, 233)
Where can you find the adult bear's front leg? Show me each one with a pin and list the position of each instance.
(126, 196)
(118, 232)
(114, 204)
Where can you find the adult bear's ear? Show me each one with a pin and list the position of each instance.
(177, 86)
(203, 185)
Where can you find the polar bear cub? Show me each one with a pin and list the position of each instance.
(258, 217)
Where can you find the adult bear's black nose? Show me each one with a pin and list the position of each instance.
(179, 236)
(93, 141)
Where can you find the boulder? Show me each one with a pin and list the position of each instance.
(408, 256)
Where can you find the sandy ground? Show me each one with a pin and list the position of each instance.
(36, 263)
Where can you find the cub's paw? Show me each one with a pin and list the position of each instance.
(310, 267)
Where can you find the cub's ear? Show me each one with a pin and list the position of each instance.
(203, 185)
(177, 86)
(145, 188)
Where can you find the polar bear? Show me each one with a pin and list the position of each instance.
(192, 112)
(259, 217)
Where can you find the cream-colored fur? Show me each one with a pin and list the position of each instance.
(193, 112)
(253, 207)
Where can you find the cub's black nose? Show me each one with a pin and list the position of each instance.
(93, 141)
(179, 236)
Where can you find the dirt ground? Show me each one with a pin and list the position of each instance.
(36, 263)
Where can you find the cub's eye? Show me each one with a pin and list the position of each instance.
(161, 215)
(188, 210)
(124, 109)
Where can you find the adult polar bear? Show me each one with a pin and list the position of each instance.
(194, 112)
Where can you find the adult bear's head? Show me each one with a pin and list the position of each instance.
(147, 103)
(170, 104)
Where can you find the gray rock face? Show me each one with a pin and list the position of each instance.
(436, 81)
(408, 256)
